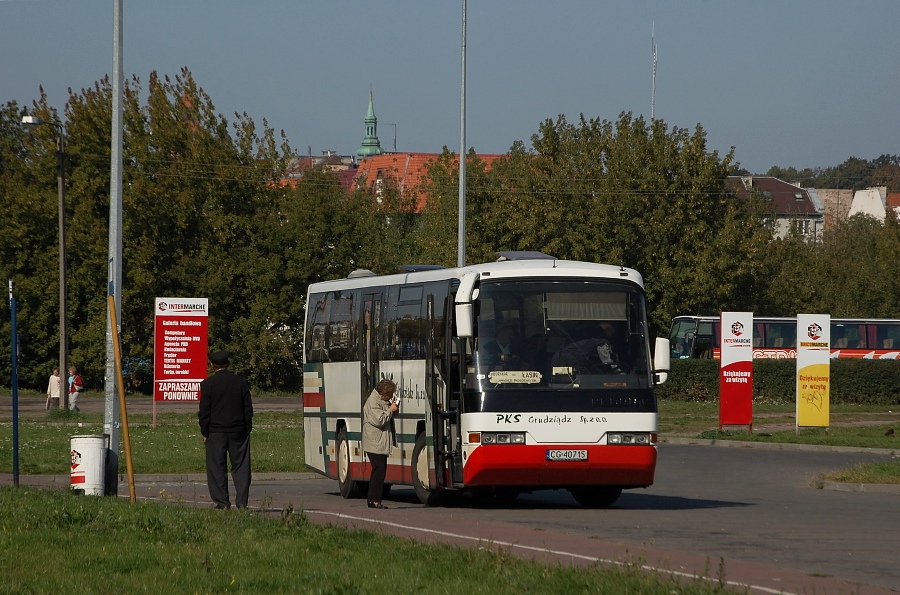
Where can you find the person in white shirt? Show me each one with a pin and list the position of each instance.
(54, 389)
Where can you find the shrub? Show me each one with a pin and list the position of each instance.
(853, 381)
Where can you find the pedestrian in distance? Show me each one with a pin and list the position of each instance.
(76, 385)
(226, 420)
(377, 436)
(54, 389)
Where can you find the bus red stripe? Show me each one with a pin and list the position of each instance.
(314, 399)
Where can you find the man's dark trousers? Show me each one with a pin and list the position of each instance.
(236, 447)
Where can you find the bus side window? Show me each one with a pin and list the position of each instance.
(341, 332)
(317, 320)
(891, 338)
(408, 323)
(837, 336)
(861, 342)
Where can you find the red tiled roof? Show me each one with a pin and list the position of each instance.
(407, 169)
(893, 200)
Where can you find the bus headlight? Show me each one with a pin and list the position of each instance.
(498, 438)
(631, 438)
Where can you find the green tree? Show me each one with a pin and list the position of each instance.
(437, 235)
(29, 251)
(386, 225)
(887, 173)
(794, 269)
(198, 206)
(626, 193)
(805, 177)
(854, 173)
(199, 214)
(861, 268)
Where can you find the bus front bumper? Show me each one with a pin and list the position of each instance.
(528, 465)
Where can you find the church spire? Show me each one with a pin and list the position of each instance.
(370, 144)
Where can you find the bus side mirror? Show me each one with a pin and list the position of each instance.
(464, 320)
(661, 361)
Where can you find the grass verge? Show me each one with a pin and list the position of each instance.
(54, 542)
(868, 436)
(887, 473)
(861, 426)
(173, 446)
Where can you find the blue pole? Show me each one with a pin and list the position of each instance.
(15, 386)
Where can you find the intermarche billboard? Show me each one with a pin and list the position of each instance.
(180, 344)
(736, 369)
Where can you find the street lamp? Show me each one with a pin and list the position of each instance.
(31, 122)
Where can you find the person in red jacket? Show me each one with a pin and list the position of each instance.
(226, 420)
(76, 385)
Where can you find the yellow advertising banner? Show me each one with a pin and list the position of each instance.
(813, 390)
(813, 370)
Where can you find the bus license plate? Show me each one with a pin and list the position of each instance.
(567, 455)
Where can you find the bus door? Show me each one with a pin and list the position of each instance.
(369, 323)
(441, 410)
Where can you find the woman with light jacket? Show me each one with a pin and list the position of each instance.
(377, 436)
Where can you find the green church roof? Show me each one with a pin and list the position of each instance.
(370, 143)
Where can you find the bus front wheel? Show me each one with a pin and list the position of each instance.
(596, 496)
(426, 495)
(349, 487)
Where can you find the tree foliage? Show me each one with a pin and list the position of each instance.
(197, 206)
(206, 215)
(628, 193)
(853, 174)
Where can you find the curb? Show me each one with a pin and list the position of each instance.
(891, 452)
(877, 488)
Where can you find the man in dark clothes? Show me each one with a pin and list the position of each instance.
(226, 420)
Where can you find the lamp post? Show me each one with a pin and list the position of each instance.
(31, 122)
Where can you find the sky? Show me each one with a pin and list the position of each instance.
(788, 83)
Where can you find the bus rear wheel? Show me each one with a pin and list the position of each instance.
(427, 496)
(596, 496)
(349, 487)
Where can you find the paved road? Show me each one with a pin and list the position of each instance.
(747, 516)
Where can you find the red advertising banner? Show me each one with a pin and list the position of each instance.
(181, 341)
(736, 369)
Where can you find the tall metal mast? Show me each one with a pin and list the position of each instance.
(461, 243)
(653, 50)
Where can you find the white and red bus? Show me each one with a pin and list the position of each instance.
(553, 412)
(776, 338)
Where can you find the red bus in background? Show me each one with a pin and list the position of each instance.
(776, 338)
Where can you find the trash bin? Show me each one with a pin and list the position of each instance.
(89, 464)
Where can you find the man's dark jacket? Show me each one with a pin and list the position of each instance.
(225, 405)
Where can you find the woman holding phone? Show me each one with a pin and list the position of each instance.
(377, 436)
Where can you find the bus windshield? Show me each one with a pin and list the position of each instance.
(561, 335)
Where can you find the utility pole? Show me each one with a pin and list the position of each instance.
(111, 418)
(31, 122)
